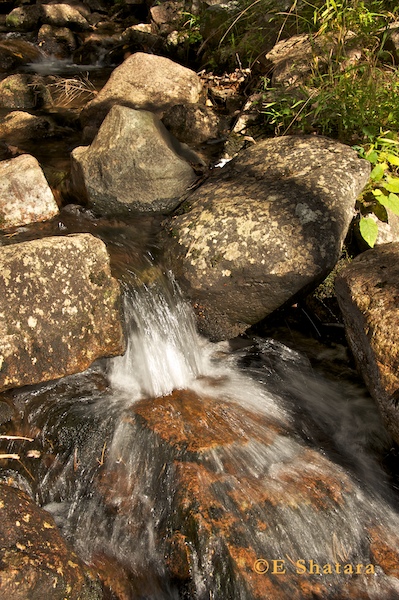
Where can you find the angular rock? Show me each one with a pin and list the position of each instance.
(133, 164)
(59, 309)
(25, 196)
(16, 92)
(36, 562)
(145, 81)
(64, 15)
(19, 126)
(192, 123)
(267, 226)
(368, 294)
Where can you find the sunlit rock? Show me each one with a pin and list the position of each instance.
(25, 196)
(267, 226)
(144, 81)
(368, 293)
(36, 562)
(59, 308)
(19, 126)
(133, 164)
(64, 15)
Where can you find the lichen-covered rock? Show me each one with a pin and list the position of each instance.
(368, 293)
(36, 562)
(133, 164)
(16, 92)
(144, 81)
(64, 15)
(25, 196)
(24, 18)
(192, 123)
(23, 92)
(19, 126)
(269, 225)
(59, 309)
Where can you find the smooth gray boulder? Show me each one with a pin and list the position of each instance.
(133, 164)
(144, 81)
(25, 195)
(368, 293)
(60, 309)
(266, 227)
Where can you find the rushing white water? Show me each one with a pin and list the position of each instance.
(183, 491)
(163, 350)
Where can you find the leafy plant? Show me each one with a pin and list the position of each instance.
(381, 196)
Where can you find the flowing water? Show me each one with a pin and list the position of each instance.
(184, 469)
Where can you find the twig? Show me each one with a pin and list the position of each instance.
(16, 437)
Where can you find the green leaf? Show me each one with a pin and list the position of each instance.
(380, 212)
(391, 202)
(392, 184)
(372, 157)
(394, 160)
(369, 230)
(378, 172)
(377, 192)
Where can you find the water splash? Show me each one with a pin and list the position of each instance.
(164, 350)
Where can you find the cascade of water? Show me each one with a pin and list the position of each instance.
(163, 351)
(194, 475)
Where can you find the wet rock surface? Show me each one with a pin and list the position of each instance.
(59, 309)
(229, 515)
(368, 292)
(267, 226)
(36, 562)
(133, 164)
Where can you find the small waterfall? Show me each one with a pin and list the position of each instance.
(163, 351)
(183, 470)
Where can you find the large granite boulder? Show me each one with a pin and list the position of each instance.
(59, 308)
(144, 81)
(133, 164)
(267, 226)
(25, 196)
(368, 292)
(36, 562)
